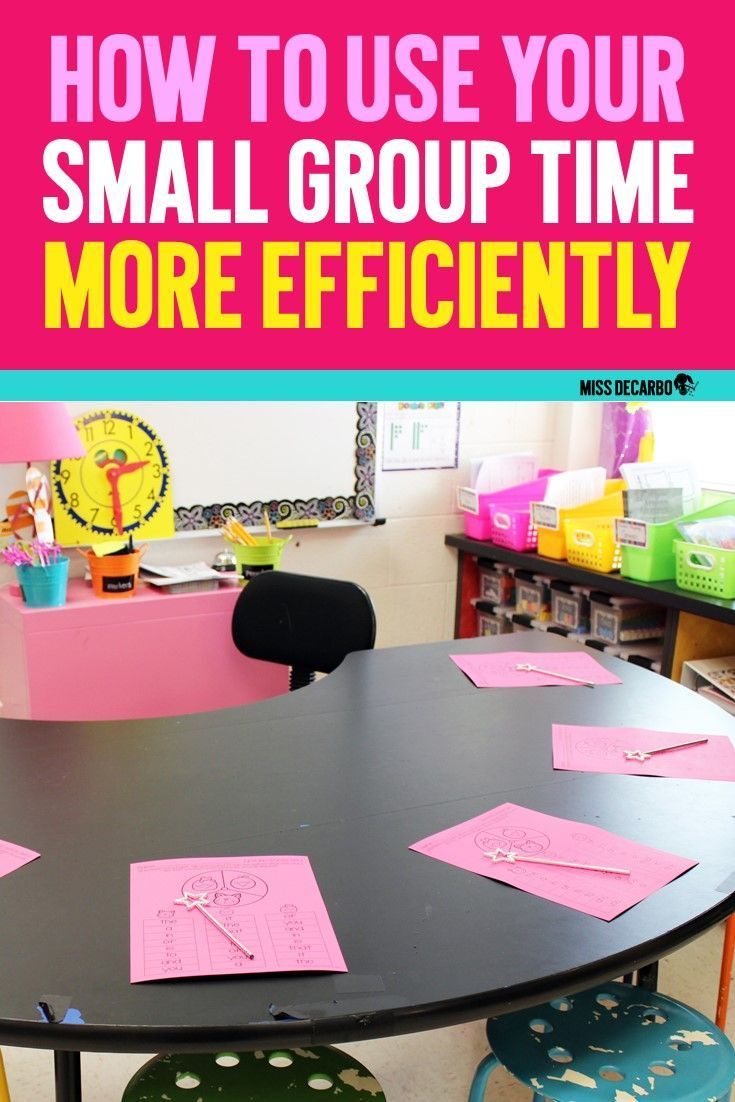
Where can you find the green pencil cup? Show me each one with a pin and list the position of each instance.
(254, 560)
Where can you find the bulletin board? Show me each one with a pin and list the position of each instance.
(299, 460)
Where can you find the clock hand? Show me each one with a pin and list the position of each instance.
(111, 473)
(114, 471)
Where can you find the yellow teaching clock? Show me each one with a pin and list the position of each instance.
(122, 487)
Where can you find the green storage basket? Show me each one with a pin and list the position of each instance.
(657, 561)
(703, 569)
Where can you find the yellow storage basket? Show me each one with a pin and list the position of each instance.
(552, 541)
(591, 543)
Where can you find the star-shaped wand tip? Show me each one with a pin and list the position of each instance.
(192, 899)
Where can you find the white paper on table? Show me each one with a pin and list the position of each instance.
(650, 476)
(570, 488)
(184, 572)
(499, 472)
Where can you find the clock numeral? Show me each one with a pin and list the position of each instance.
(137, 512)
(89, 432)
(130, 430)
(94, 513)
(109, 427)
(74, 500)
(149, 447)
(156, 470)
(152, 495)
(65, 474)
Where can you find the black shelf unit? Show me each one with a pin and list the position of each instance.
(665, 594)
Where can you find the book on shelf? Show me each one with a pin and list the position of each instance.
(710, 693)
(712, 678)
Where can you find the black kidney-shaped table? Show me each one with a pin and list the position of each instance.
(395, 745)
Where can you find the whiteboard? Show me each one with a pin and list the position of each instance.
(303, 460)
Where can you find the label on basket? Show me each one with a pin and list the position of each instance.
(249, 572)
(121, 584)
(468, 500)
(632, 533)
(545, 516)
(605, 626)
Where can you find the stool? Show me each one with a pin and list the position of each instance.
(615, 1043)
(728, 952)
(4, 1092)
(287, 1075)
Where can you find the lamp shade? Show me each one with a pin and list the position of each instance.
(33, 431)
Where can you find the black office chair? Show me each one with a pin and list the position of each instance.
(309, 624)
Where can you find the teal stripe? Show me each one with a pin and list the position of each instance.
(216, 386)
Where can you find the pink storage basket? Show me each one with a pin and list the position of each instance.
(476, 509)
(511, 523)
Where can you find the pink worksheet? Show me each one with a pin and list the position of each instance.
(602, 750)
(518, 830)
(272, 905)
(12, 857)
(498, 671)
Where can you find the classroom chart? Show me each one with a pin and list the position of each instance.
(501, 670)
(13, 857)
(524, 833)
(269, 904)
(607, 749)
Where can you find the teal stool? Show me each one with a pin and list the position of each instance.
(289, 1075)
(615, 1043)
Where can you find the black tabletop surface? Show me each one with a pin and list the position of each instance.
(395, 745)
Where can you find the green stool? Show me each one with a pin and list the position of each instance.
(287, 1075)
(615, 1043)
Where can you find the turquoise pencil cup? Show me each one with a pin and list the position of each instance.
(44, 586)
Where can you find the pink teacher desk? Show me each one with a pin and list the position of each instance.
(153, 654)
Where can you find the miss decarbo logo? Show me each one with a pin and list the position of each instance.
(682, 384)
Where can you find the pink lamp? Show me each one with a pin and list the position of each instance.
(30, 432)
(33, 431)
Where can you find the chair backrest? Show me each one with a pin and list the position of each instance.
(309, 624)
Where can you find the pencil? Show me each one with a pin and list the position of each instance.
(238, 534)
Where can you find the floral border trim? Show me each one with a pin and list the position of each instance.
(357, 506)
